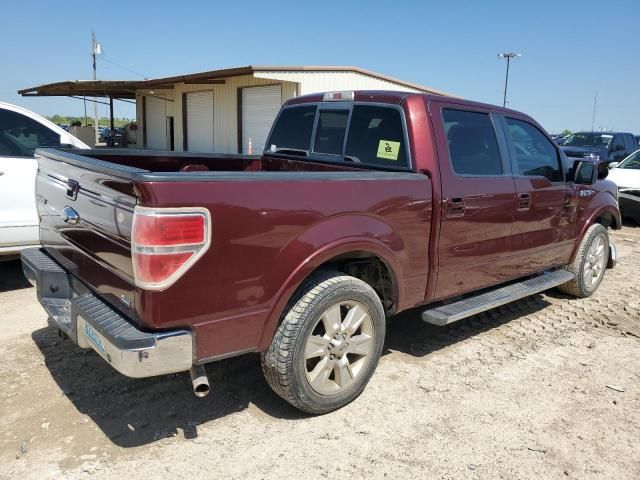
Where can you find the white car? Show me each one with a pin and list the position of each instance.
(21, 132)
(626, 175)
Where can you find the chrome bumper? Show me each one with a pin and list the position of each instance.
(91, 323)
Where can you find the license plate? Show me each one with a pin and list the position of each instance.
(93, 337)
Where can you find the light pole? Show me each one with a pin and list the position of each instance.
(508, 56)
(96, 49)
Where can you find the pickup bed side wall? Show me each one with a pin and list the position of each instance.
(361, 234)
(268, 234)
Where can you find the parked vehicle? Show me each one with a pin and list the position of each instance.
(104, 133)
(626, 175)
(21, 132)
(637, 137)
(606, 146)
(364, 204)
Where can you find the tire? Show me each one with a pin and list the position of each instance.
(318, 361)
(589, 260)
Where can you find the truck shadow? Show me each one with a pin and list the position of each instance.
(410, 335)
(11, 276)
(135, 412)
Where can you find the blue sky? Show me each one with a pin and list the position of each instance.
(570, 48)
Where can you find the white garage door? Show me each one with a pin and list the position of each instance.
(260, 105)
(156, 123)
(200, 122)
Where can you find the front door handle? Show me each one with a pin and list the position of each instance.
(455, 207)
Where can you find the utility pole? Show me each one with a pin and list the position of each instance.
(508, 56)
(96, 49)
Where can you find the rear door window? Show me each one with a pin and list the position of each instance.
(535, 154)
(292, 131)
(473, 146)
(376, 137)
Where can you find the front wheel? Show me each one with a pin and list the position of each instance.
(328, 345)
(589, 264)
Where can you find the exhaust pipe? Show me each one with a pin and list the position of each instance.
(199, 381)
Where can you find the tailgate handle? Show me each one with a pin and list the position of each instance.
(72, 189)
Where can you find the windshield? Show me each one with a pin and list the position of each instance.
(589, 139)
(632, 161)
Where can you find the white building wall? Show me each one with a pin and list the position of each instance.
(314, 82)
(225, 108)
(225, 98)
(165, 94)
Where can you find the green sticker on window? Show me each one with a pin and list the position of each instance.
(388, 150)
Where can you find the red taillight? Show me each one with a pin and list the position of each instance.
(166, 242)
(169, 230)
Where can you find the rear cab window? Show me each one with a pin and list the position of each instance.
(291, 133)
(354, 133)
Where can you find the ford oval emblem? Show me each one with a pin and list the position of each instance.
(70, 216)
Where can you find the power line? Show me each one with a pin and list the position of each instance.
(104, 58)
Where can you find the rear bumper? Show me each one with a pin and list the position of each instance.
(91, 323)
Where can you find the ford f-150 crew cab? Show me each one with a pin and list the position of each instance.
(363, 204)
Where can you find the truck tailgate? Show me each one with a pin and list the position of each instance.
(86, 213)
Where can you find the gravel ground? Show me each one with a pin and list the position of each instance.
(548, 387)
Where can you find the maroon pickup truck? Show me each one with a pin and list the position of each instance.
(363, 204)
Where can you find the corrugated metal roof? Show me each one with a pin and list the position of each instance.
(127, 88)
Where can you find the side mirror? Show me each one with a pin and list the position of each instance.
(584, 172)
(618, 148)
(613, 164)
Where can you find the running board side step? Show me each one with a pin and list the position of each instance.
(452, 312)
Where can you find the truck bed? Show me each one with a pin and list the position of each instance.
(189, 162)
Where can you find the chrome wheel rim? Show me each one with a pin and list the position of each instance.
(338, 347)
(595, 262)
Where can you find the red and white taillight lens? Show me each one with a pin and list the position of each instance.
(166, 242)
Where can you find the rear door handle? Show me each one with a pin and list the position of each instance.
(524, 201)
(455, 207)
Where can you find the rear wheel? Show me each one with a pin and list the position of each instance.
(328, 345)
(589, 264)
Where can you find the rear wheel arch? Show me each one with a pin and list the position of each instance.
(369, 262)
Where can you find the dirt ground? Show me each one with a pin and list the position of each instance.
(548, 387)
